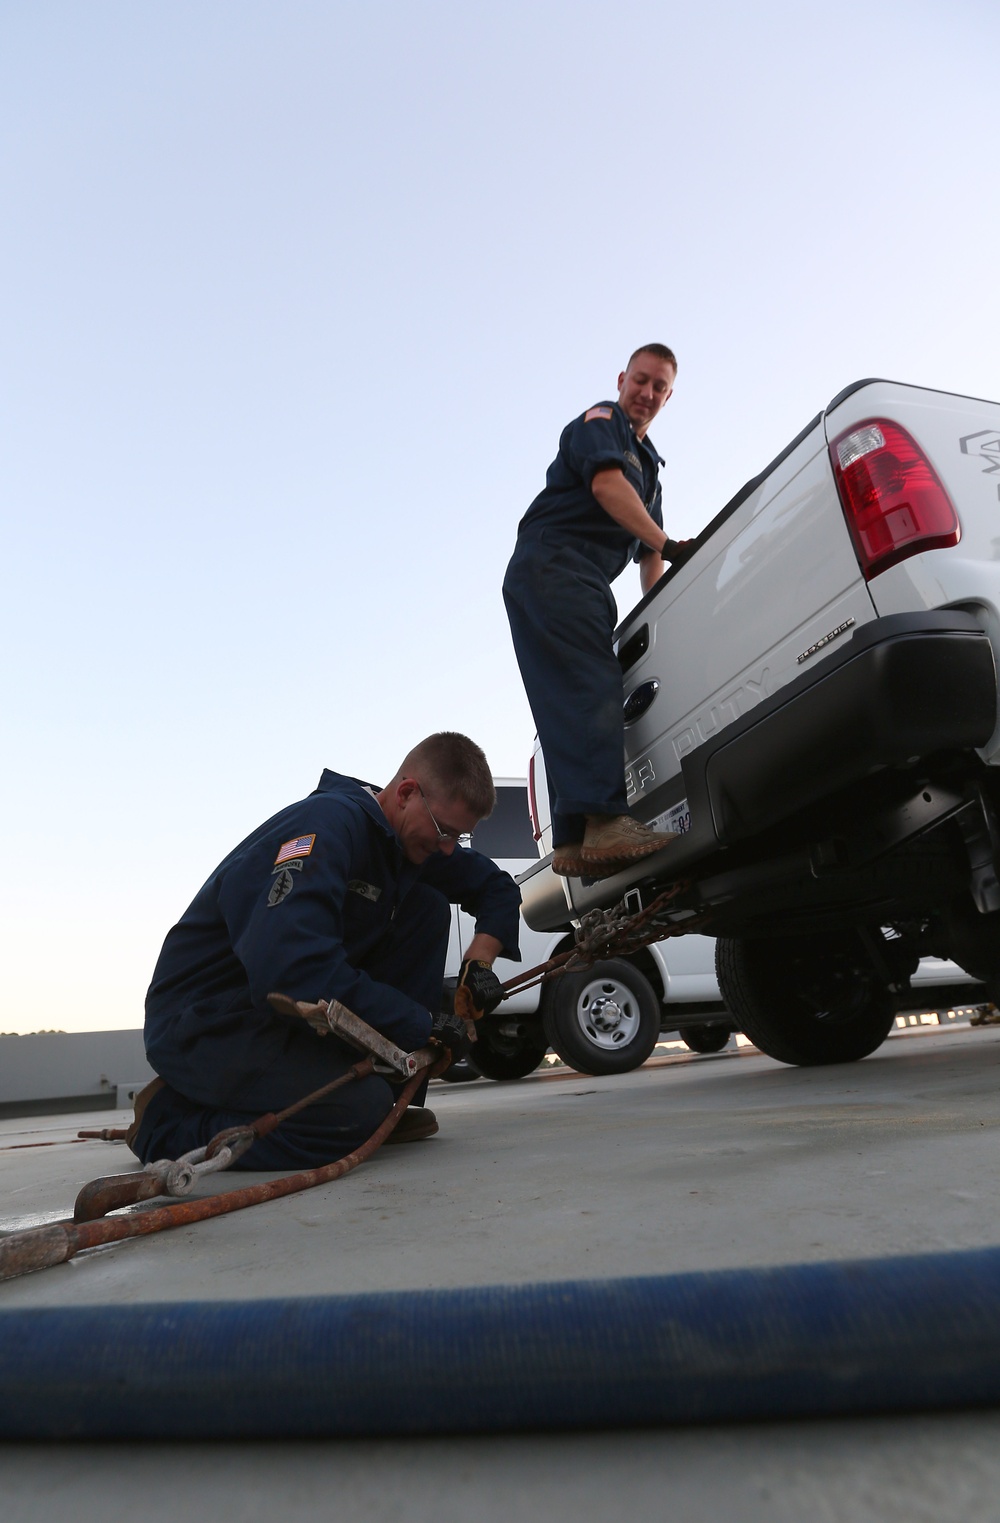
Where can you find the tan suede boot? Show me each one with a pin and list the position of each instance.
(612, 842)
(567, 861)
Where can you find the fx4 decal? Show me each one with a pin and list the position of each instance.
(985, 444)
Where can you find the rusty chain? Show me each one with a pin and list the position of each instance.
(616, 932)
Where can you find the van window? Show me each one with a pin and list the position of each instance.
(507, 832)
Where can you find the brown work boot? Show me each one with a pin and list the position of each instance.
(611, 842)
(140, 1102)
(567, 861)
(415, 1123)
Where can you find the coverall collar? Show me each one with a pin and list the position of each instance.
(337, 782)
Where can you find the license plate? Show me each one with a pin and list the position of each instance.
(677, 819)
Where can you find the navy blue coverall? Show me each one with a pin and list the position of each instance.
(562, 614)
(318, 903)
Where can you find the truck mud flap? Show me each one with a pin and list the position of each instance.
(907, 686)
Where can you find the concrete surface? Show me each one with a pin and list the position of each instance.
(691, 1162)
(924, 1470)
(687, 1163)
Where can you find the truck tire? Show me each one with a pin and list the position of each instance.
(605, 1020)
(500, 1054)
(806, 1000)
(705, 1038)
(462, 1072)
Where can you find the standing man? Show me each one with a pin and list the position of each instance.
(345, 895)
(600, 507)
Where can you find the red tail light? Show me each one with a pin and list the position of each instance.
(893, 499)
(532, 802)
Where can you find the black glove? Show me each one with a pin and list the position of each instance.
(676, 550)
(449, 1031)
(479, 991)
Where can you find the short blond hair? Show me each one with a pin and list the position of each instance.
(453, 767)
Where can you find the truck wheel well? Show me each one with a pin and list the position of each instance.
(646, 963)
(643, 960)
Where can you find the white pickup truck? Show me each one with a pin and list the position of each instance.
(811, 702)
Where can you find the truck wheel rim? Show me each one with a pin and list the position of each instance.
(608, 1014)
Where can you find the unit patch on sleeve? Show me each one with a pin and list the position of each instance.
(301, 846)
(280, 888)
(597, 412)
(366, 890)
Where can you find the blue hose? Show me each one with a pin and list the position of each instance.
(889, 1335)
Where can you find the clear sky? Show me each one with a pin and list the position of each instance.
(295, 300)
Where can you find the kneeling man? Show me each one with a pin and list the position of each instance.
(345, 895)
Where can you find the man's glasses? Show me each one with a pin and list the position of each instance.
(457, 837)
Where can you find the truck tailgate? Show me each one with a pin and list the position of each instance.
(732, 625)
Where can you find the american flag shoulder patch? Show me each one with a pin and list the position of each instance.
(597, 412)
(301, 846)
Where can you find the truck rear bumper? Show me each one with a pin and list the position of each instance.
(905, 687)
